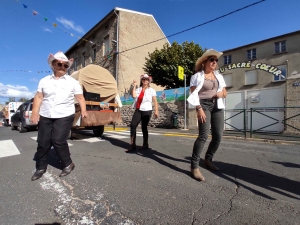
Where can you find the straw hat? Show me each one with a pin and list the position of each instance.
(60, 56)
(209, 52)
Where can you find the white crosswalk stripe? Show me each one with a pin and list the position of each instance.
(8, 148)
(35, 138)
(106, 134)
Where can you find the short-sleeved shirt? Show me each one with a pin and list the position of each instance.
(58, 101)
(146, 104)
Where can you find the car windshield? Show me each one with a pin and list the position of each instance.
(30, 109)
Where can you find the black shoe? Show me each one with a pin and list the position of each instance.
(144, 147)
(38, 174)
(67, 170)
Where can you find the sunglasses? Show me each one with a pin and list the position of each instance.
(145, 79)
(62, 64)
(213, 60)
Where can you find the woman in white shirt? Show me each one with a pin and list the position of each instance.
(143, 96)
(208, 91)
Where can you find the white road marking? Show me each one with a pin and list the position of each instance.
(139, 132)
(8, 148)
(35, 138)
(107, 134)
(91, 140)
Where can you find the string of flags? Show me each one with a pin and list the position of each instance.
(55, 25)
(26, 71)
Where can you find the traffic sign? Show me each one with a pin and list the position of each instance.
(180, 73)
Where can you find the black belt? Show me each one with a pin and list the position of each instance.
(213, 100)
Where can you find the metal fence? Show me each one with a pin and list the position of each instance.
(248, 130)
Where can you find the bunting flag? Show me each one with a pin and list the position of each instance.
(55, 25)
(25, 71)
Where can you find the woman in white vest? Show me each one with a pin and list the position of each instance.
(208, 93)
(144, 97)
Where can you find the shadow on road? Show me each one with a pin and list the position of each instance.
(53, 159)
(288, 164)
(271, 182)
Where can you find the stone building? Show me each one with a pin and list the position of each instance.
(263, 76)
(119, 42)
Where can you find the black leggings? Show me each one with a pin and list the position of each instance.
(137, 117)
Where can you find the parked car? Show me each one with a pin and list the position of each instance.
(21, 119)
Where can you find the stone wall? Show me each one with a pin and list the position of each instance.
(165, 115)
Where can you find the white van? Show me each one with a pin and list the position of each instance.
(11, 108)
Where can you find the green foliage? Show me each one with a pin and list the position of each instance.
(10, 99)
(24, 99)
(163, 64)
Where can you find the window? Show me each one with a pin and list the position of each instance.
(281, 77)
(94, 55)
(228, 80)
(251, 77)
(83, 59)
(75, 64)
(251, 54)
(106, 46)
(280, 47)
(227, 59)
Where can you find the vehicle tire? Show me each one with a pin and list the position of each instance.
(21, 128)
(99, 132)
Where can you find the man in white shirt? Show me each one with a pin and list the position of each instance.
(54, 110)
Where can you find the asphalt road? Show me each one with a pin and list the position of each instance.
(258, 183)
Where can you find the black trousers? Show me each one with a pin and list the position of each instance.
(215, 122)
(137, 117)
(53, 132)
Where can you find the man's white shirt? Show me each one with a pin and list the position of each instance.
(58, 95)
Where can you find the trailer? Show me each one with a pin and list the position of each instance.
(101, 97)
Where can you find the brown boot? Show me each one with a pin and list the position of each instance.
(210, 165)
(132, 146)
(196, 174)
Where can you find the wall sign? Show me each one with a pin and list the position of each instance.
(261, 66)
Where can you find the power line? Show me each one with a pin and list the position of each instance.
(210, 21)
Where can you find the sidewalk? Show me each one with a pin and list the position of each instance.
(257, 137)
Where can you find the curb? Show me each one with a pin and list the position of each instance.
(185, 134)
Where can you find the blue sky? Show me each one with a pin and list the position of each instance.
(26, 39)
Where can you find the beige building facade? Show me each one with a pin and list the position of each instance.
(119, 42)
(265, 75)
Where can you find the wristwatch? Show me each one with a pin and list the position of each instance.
(198, 108)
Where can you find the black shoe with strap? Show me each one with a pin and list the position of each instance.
(38, 174)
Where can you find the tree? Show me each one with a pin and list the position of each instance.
(24, 99)
(10, 99)
(163, 64)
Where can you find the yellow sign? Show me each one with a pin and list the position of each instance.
(180, 73)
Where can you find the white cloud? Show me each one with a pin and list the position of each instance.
(34, 79)
(15, 91)
(48, 30)
(69, 24)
